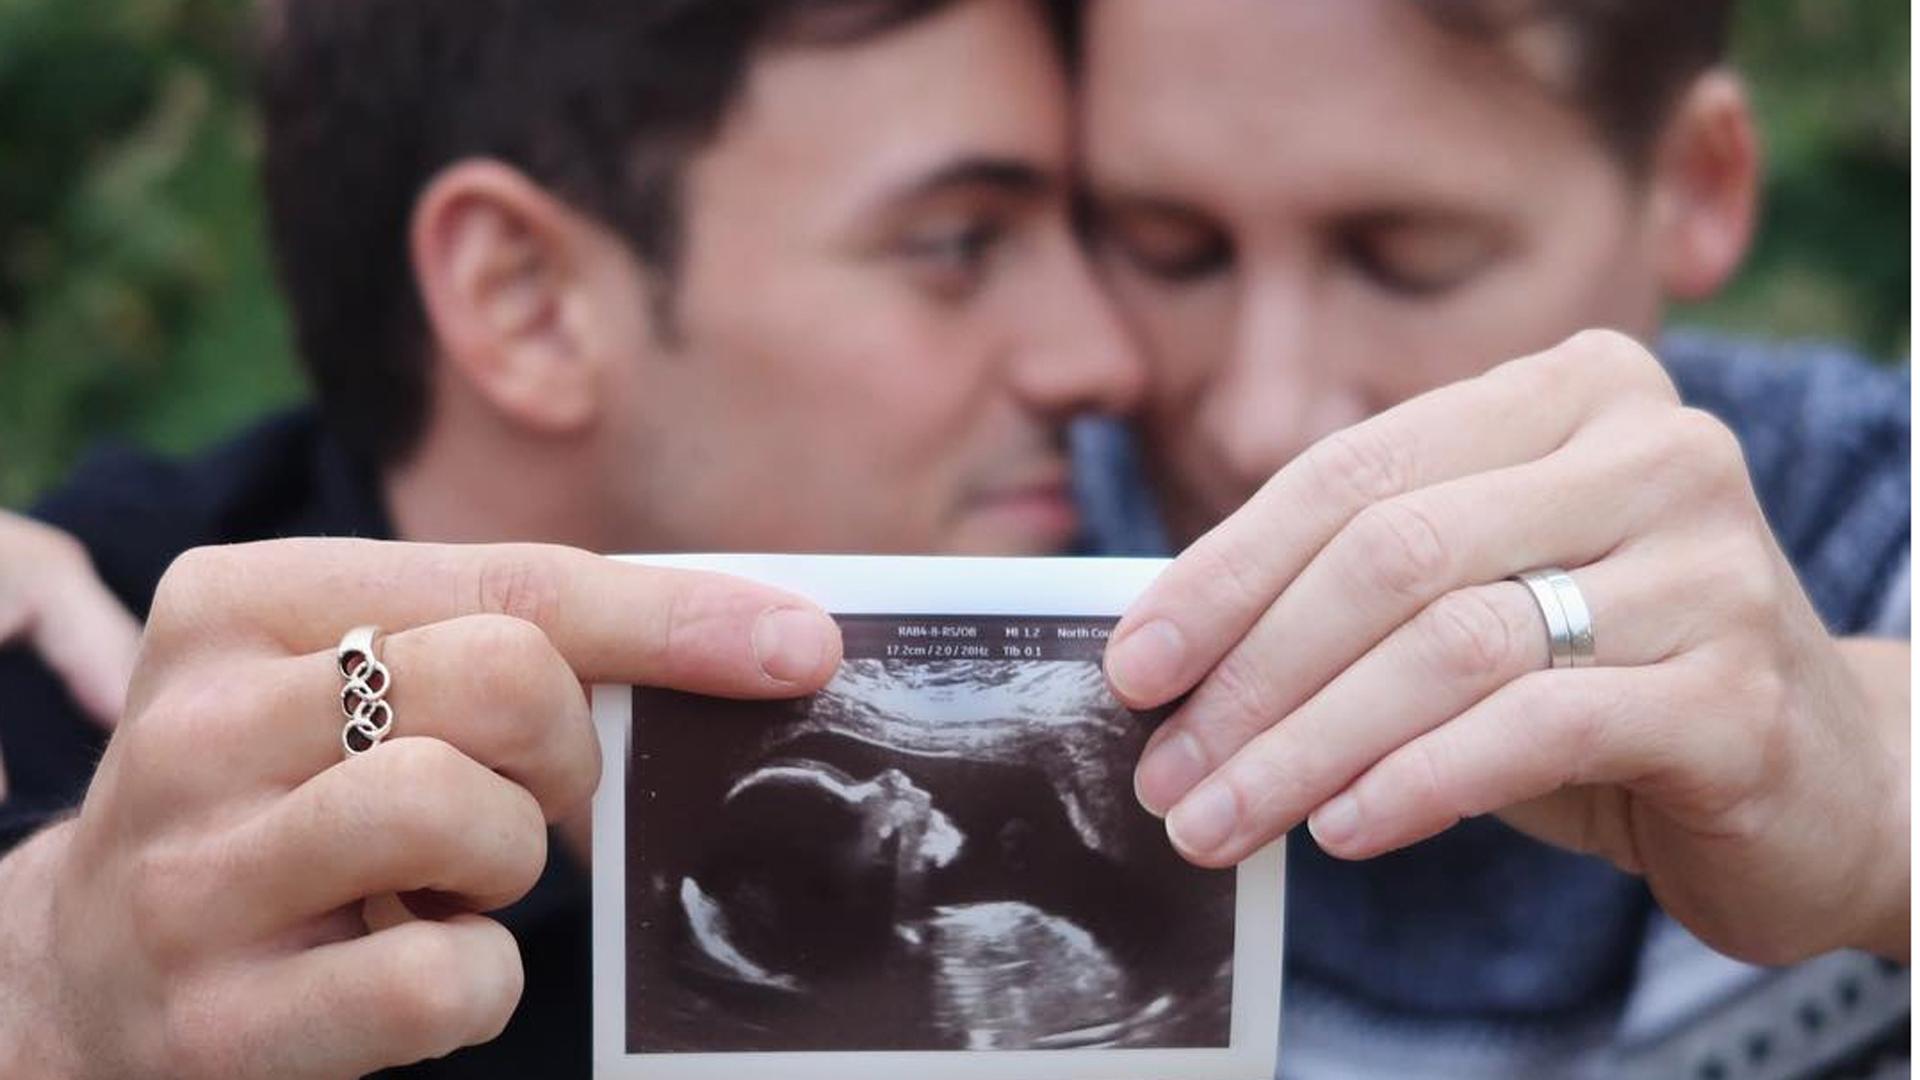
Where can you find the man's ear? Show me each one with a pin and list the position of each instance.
(1706, 179)
(504, 273)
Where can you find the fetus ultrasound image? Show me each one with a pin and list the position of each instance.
(939, 851)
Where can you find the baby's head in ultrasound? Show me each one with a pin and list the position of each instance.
(812, 868)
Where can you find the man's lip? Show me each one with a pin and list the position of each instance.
(1051, 500)
(1030, 506)
(1046, 516)
(1052, 482)
(1045, 490)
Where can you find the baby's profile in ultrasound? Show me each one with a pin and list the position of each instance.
(929, 854)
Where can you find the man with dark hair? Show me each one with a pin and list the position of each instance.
(545, 86)
(634, 275)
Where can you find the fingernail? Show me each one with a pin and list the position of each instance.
(1336, 824)
(790, 644)
(1168, 772)
(1203, 820)
(1145, 665)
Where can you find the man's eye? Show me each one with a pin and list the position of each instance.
(953, 261)
(1418, 266)
(1173, 255)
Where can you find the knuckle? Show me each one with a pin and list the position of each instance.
(1598, 345)
(425, 775)
(184, 715)
(1226, 569)
(1574, 736)
(1399, 549)
(180, 599)
(1426, 784)
(430, 1000)
(506, 640)
(1757, 587)
(453, 989)
(1244, 699)
(1359, 466)
(674, 613)
(1765, 688)
(1469, 639)
(1687, 453)
(1740, 575)
(1727, 597)
(1270, 789)
(523, 848)
(438, 805)
(517, 842)
(578, 774)
(192, 569)
(500, 979)
(417, 825)
(1699, 437)
(518, 582)
(514, 667)
(1618, 360)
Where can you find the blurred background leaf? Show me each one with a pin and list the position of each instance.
(1830, 82)
(136, 299)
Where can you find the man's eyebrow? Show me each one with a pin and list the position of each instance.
(1112, 200)
(1011, 175)
(1428, 216)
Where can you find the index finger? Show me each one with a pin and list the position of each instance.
(612, 621)
(1207, 600)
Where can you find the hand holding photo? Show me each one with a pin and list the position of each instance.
(934, 866)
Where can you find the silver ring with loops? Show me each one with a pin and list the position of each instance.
(363, 691)
(1569, 620)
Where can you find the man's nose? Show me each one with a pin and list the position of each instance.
(1282, 387)
(1075, 356)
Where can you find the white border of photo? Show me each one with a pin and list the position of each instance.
(896, 585)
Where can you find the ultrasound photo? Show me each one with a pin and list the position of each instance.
(939, 851)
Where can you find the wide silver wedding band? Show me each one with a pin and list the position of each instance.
(1569, 620)
(363, 692)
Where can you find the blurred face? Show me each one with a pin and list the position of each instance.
(1312, 211)
(881, 320)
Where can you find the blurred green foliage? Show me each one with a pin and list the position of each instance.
(1830, 82)
(136, 298)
